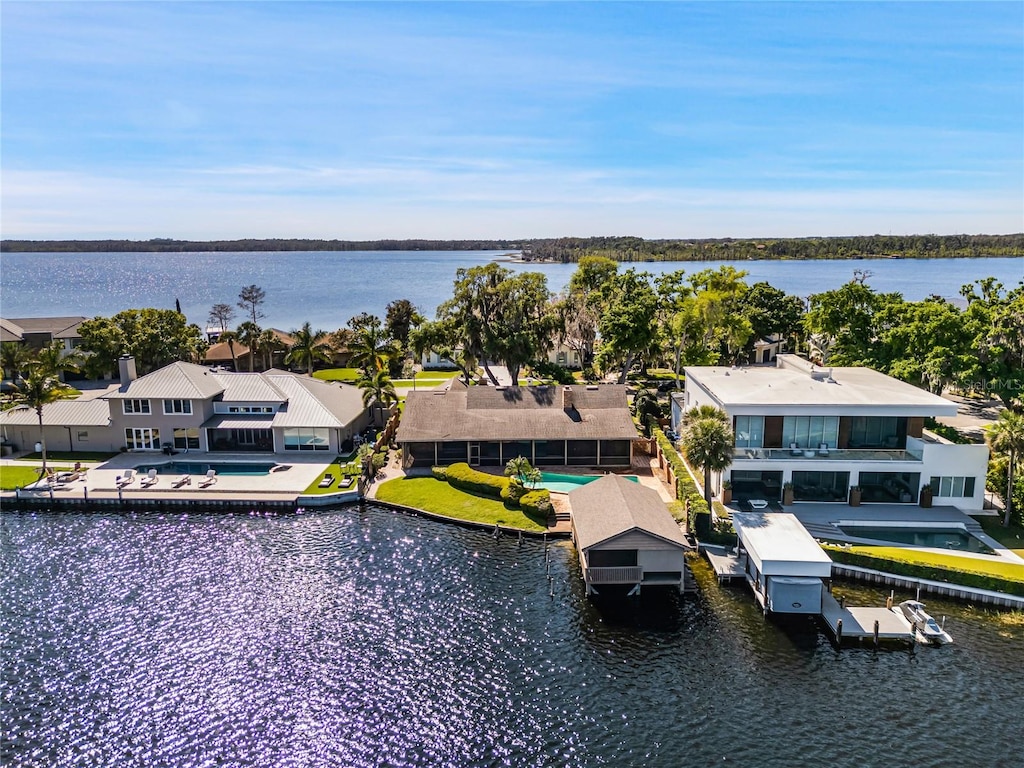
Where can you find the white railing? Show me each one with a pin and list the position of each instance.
(826, 454)
(618, 575)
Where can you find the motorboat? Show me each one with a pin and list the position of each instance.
(925, 627)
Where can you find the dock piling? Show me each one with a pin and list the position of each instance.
(876, 633)
(839, 631)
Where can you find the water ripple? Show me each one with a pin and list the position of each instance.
(366, 638)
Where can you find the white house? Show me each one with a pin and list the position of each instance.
(826, 430)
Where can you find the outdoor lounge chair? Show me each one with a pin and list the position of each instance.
(210, 479)
(326, 482)
(345, 482)
(183, 480)
(794, 449)
(823, 449)
(150, 478)
(126, 479)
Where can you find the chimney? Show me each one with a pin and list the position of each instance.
(126, 367)
(567, 397)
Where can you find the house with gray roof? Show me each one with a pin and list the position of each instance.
(187, 407)
(485, 426)
(625, 536)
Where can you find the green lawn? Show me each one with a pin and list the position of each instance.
(337, 374)
(339, 468)
(70, 456)
(438, 497)
(13, 476)
(1011, 538)
(990, 566)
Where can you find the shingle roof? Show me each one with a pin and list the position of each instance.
(10, 330)
(614, 505)
(57, 327)
(177, 381)
(63, 413)
(517, 413)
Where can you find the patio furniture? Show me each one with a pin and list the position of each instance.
(326, 482)
(823, 449)
(126, 479)
(794, 449)
(183, 480)
(345, 482)
(150, 478)
(210, 479)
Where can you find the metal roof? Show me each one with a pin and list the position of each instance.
(177, 381)
(63, 413)
(248, 388)
(614, 505)
(517, 413)
(780, 545)
(315, 403)
(235, 421)
(57, 327)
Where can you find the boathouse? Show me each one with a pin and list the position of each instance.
(783, 564)
(625, 536)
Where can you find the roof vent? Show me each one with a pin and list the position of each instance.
(592, 387)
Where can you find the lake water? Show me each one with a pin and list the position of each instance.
(367, 638)
(328, 288)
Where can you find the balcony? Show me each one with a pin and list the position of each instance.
(825, 455)
(616, 575)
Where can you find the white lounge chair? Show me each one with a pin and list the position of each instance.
(210, 479)
(126, 479)
(183, 480)
(150, 478)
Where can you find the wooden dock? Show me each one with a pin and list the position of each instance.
(860, 622)
(727, 566)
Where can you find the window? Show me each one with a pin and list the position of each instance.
(810, 431)
(185, 439)
(874, 432)
(177, 406)
(142, 439)
(135, 406)
(250, 409)
(83, 437)
(307, 439)
(750, 431)
(953, 487)
(820, 486)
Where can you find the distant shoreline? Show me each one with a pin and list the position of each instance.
(568, 250)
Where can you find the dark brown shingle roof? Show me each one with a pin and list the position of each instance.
(614, 505)
(517, 413)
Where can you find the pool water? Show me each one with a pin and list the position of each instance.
(938, 538)
(554, 481)
(201, 468)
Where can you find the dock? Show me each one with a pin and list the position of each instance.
(726, 565)
(859, 622)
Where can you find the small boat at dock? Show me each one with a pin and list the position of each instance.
(926, 629)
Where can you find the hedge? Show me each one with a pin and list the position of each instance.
(537, 503)
(465, 478)
(686, 489)
(953, 576)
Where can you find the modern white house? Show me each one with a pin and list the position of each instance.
(782, 562)
(187, 407)
(625, 536)
(828, 430)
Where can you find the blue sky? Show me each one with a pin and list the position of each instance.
(510, 120)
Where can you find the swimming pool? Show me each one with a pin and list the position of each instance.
(956, 537)
(554, 481)
(201, 468)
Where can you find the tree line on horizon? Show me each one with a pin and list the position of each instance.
(571, 249)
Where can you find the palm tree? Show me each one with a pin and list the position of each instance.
(249, 334)
(230, 337)
(820, 348)
(371, 347)
(708, 446)
(36, 390)
(703, 412)
(1006, 435)
(53, 360)
(307, 350)
(14, 358)
(267, 343)
(377, 388)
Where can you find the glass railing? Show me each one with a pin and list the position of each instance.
(827, 454)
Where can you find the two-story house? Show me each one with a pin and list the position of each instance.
(186, 407)
(826, 430)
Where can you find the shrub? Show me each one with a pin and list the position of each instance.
(513, 491)
(686, 489)
(439, 473)
(465, 478)
(536, 503)
(545, 369)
